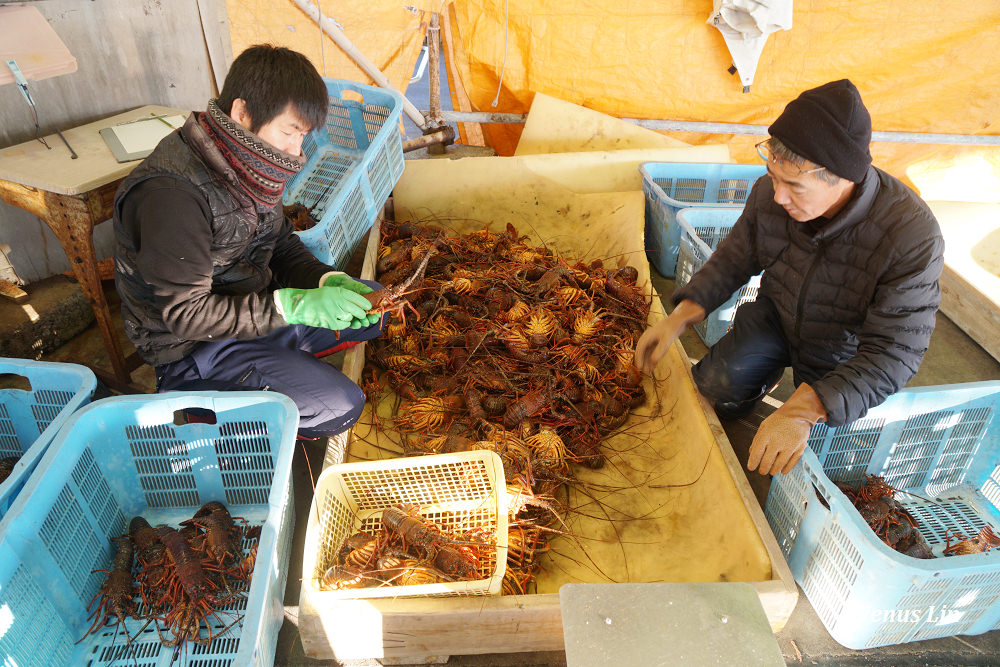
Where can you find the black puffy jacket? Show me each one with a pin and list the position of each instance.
(857, 298)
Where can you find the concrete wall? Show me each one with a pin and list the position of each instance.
(129, 53)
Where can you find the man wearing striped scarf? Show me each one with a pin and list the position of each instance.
(217, 290)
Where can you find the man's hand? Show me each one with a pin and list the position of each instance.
(345, 281)
(326, 307)
(367, 321)
(657, 339)
(782, 437)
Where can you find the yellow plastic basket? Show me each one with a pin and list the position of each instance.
(458, 492)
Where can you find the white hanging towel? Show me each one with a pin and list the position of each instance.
(745, 25)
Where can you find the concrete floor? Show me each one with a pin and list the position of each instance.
(953, 357)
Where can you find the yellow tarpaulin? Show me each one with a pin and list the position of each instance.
(920, 66)
(556, 126)
(598, 171)
(388, 33)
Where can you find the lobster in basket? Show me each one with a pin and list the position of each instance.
(7, 464)
(190, 595)
(117, 593)
(875, 500)
(454, 560)
(981, 543)
(407, 551)
(222, 538)
(183, 579)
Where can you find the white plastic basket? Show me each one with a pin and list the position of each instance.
(458, 492)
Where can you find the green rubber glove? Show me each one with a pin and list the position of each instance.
(326, 307)
(365, 321)
(347, 282)
(356, 286)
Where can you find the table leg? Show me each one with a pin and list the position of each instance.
(71, 218)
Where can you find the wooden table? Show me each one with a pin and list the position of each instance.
(72, 196)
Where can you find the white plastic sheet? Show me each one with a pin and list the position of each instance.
(745, 25)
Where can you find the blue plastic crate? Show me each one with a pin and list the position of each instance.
(941, 444)
(353, 163)
(672, 186)
(702, 229)
(30, 418)
(127, 456)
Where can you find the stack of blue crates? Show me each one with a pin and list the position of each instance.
(701, 231)
(353, 163)
(671, 186)
(35, 401)
(939, 447)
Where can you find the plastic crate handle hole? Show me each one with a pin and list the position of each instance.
(14, 381)
(194, 416)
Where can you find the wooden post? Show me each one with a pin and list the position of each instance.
(457, 62)
(215, 27)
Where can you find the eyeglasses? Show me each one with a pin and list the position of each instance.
(767, 156)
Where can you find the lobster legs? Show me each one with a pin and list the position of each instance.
(184, 579)
(117, 593)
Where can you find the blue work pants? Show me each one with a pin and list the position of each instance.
(748, 361)
(286, 361)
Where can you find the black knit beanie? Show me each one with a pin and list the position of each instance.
(829, 126)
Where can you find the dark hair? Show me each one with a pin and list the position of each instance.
(269, 79)
(782, 151)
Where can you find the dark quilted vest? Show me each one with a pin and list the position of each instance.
(242, 245)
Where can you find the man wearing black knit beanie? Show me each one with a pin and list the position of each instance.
(218, 292)
(850, 258)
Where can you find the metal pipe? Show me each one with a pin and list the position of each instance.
(481, 117)
(341, 40)
(442, 137)
(736, 128)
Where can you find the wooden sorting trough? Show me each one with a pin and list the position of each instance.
(679, 506)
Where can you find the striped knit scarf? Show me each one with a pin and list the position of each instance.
(260, 168)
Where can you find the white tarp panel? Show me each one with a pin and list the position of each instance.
(745, 25)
